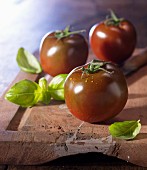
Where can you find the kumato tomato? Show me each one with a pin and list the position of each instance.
(113, 39)
(96, 91)
(62, 51)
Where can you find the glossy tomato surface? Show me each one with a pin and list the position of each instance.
(60, 56)
(96, 97)
(113, 43)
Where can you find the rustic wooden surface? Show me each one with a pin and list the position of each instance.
(21, 29)
(45, 133)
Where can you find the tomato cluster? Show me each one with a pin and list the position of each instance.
(98, 90)
(113, 39)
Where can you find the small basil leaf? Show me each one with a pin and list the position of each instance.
(46, 97)
(125, 130)
(56, 87)
(43, 83)
(24, 93)
(28, 62)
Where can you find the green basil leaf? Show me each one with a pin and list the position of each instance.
(24, 93)
(125, 130)
(28, 62)
(56, 87)
(46, 97)
(43, 84)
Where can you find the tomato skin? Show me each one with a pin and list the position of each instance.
(96, 97)
(113, 43)
(60, 56)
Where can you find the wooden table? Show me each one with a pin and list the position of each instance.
(23, 23)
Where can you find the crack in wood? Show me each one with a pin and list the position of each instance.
(115, 150)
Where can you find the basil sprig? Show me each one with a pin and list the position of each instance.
(27, 93)
(125, 130)
(28, 62)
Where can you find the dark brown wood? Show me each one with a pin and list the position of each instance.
(138, 59)
(43, 133)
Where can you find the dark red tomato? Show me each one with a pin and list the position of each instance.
(96, 92)
(62, 51)
(113, 39)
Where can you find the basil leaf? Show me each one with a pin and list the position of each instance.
(56, 87)
(28, 62)
(46, 97)
(125, 130)
(24, 93)
(43, 84)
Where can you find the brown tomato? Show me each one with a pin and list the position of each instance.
(62, 51)
(113, 39)
(96, 92)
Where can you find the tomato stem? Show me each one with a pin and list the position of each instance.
(66, 32)
(95, 66)
(113, 15)
(113, 20)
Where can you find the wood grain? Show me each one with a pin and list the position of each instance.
(8, 110)
(44, 133)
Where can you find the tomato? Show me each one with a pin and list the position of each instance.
(61, 51)
(96, 92)
(113, 39)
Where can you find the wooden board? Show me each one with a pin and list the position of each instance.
(43, 133)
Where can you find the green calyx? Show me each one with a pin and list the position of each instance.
(95, 66)
(113, 20)
(66, 32)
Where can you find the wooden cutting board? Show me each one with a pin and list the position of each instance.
(42, 133)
